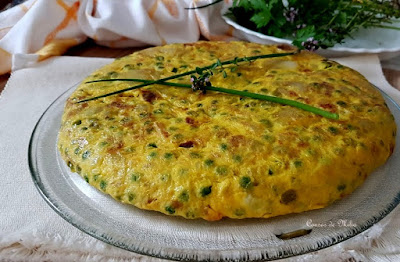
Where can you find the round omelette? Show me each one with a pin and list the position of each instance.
(212, 155)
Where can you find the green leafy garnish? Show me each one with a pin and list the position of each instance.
(202, 82)
(297, 19)
(274, 99)
(200, 70)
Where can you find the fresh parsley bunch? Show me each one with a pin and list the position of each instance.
(313, 24)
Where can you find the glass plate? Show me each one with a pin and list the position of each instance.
(154, 234)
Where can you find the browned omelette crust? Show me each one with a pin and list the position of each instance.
(215, 155)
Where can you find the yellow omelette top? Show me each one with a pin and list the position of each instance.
(217, 155)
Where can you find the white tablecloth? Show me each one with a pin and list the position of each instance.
(31, 231)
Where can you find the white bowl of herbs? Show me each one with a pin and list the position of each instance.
(331, 28)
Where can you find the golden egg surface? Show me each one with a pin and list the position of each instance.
(213, 155)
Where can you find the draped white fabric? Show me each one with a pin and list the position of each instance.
(38, 29)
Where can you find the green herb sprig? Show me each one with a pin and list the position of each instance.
(236, 60)
(273, 99)
(313, 24)
(202, 83)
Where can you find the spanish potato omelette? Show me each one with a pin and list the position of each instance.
(213, 155)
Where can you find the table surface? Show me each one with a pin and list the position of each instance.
(89, 49)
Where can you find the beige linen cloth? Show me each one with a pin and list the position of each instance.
(31, 231)
(38, 29)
